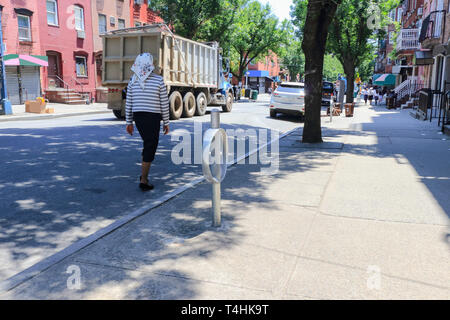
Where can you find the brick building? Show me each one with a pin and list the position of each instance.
(141, 14)
(262, 74)
(66, 34)
(22, 42)
(107, 15)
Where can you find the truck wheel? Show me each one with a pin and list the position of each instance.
(200, 110)
(188, 105)
(229, 105)
(175, 105)
(118, 114)
(273, 113)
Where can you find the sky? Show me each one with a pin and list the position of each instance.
(280, 8)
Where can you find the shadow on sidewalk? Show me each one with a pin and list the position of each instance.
(152, 249)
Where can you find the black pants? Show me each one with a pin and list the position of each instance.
(148, 125)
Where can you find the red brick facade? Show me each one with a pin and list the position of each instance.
(141, 14)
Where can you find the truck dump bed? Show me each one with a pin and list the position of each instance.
(182, 62)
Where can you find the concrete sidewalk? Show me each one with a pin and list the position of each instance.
(362, 216)
(61, 110)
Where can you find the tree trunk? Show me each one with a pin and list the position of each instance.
(349, 70)
(318, 18)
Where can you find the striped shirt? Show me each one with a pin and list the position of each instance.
(153, 98)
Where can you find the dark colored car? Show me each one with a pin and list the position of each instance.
(327, 93)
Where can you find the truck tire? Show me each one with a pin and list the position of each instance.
(189, 105)
(118, 114)
(202, 103)
(229, 104)
(175, 105)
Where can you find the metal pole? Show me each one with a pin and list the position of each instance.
(215, 124)
(331, 108)
(6, 104)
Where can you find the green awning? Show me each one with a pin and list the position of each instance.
(25, 60)
(387, 79)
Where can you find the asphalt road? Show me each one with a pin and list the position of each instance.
(63, 179)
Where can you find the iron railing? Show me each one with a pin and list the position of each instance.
(433, 26)
(408, 39)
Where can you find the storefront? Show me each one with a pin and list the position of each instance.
(23, 77)
(259, 80)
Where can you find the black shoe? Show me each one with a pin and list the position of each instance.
(145, 186)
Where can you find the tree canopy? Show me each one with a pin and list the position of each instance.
(354, 32)
(256, 33)
(187, 17)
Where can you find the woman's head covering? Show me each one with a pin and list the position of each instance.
(142, 68)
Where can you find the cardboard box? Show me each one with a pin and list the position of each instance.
(35, 106)
(50, 110)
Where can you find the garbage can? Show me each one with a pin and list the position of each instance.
(348, 110)
(254, 95)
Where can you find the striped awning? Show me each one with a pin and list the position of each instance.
(386, 79)
(25, 60)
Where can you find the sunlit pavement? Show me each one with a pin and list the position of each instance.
(363, 216)
(63, 179)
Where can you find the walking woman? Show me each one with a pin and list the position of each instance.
(371, 94)
(147, 104)
(365, 94)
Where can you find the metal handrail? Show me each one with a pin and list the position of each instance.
(79, 83)
(67, 86)
(65, 83)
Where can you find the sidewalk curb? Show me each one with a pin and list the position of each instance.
(26, 118)
(31, 272)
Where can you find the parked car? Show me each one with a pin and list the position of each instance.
(327, 93)
(288, 98)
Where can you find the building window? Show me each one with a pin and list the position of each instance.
(121, 24)
(81, 66)
(102, 23)
(79, 18)
(137, 24)
(24, 28)
(52, 12)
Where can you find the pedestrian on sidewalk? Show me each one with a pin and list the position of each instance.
(371, 94)
(365, 95)
(147, 104)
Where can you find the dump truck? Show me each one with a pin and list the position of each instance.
(192, 71)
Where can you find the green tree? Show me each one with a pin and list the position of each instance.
(294, 59)
(332, 67)
(220, 27)
(314, 33)
(256, 33)
(354, 33)
(187, 17)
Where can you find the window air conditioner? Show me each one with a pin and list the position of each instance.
(81, 34)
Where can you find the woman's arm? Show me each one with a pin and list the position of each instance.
(129, 105)
(164, 102)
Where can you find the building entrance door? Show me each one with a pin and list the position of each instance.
(54, 70)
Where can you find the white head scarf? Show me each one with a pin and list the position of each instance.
(142, 68)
